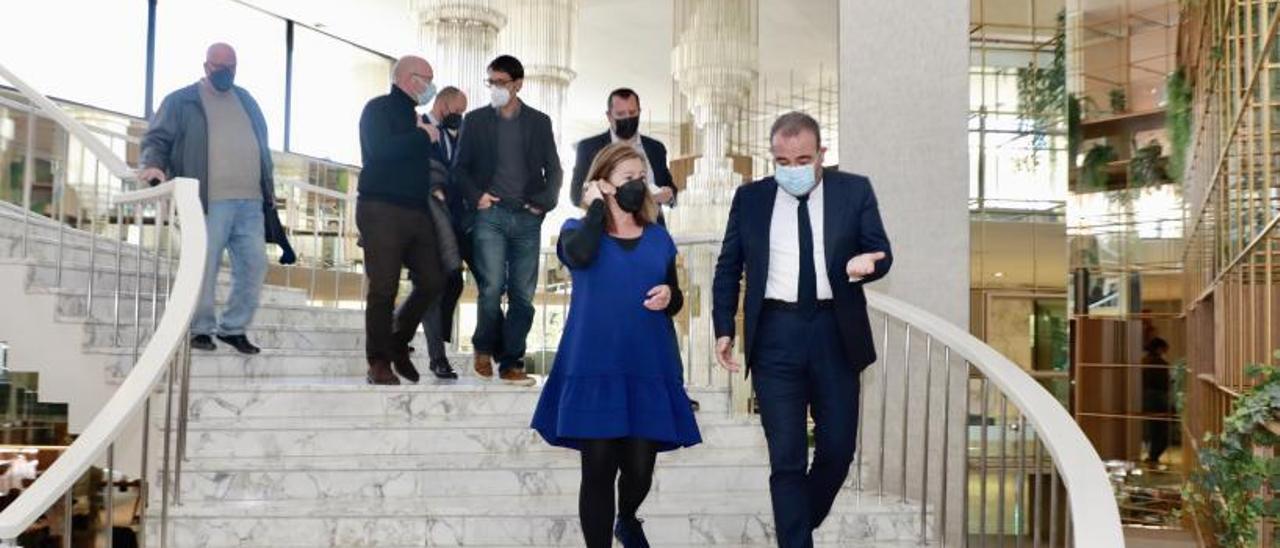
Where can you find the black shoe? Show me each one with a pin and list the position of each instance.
(405, 368)
(240, 343)
(629, 532)
(203, 342)
(443, 370)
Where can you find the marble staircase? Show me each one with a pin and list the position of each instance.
(290, 448)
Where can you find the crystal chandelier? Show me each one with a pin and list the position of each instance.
(542, 34)
(458, 37)
(714, 63)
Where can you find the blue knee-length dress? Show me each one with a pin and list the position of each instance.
(617, 373)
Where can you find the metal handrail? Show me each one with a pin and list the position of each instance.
(147, 373)
(1095, 517)
(115, 164)
(160, 349)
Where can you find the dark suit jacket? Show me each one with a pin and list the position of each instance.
(851, 226)
(477, 156)
(589, 147)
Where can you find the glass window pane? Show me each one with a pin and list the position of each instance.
(332, 80)
(184, 30)
(97, 57)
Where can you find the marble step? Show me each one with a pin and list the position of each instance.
(671, 519)
(272, 336)
(42, 275)
(228, 399)
(277, 304)
(690, 470)
(367, 438)
(77, 249)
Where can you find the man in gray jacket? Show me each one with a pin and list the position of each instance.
(214, 131)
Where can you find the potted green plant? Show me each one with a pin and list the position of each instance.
(1093, 169)
(1145, 167)
(1119, 103)
(1238, 466)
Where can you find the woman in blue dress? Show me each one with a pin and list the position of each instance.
(615, 392)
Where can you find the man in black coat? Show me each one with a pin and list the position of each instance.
(394, 215)
(623, 112)
(808, 239)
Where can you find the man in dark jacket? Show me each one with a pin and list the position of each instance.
(214, 132)
(624, 127)
(394, 215)
(437, 325)
(509, 169)
(808, 240)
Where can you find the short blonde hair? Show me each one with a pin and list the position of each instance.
(607, 160)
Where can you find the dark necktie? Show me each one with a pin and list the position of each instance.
(808, 295)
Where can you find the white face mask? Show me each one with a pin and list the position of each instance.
(499, 96)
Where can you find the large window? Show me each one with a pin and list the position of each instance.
(184, 30)
(95, 54)
(332, 80)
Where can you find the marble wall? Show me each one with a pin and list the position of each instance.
(904, 92)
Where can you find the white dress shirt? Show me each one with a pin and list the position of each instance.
(784, 248)
(444, 134)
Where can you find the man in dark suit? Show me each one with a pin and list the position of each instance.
(623, 112)
(437, 325)
(509, 170)
(808, 240)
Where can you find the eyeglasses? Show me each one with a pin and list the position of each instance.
(490, 82)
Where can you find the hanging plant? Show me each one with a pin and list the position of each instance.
(1093, 170)
(1145, 168)
(1075, 132)
(1229, 487)
(1119, 103)
(1042, 92)
(1178, 121)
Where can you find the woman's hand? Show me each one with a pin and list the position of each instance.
(659, 298)
(591, 194)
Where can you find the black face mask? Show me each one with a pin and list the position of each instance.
(630, 195)
(222, 79)
(626, 128)
(452, 121)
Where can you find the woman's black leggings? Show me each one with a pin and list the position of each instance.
(601, 462)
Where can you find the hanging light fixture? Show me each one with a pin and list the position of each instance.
(542, 34)
(715, 65)
(459, 38)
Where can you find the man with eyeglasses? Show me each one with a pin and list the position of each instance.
(213, 131)
(394, 214)
(509, 169)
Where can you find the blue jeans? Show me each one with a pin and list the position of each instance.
(235, 226)
(505, 261)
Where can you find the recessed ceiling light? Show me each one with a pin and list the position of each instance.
(998, 274)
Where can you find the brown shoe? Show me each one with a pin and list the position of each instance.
(380, 373)
(516, 377)
(484, 366)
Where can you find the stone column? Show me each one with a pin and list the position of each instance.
(904, 93)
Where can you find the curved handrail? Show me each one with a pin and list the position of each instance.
(114, 163)
(1094, 514)
(145, 376)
